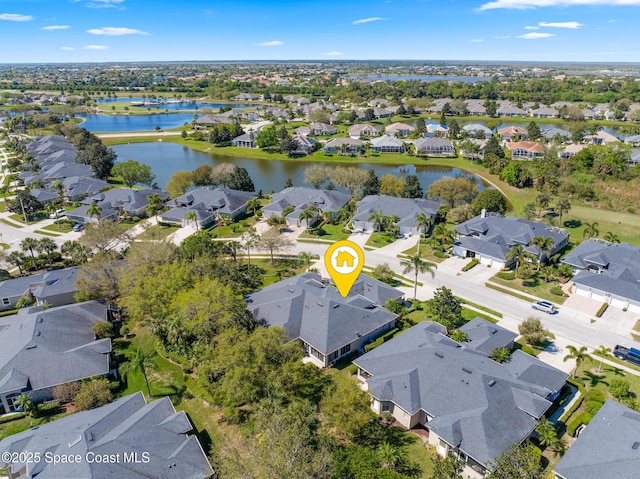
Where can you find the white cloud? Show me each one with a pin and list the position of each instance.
(531, 27)
(502, 37)
(368, 20)
(526, 4)
(67, 49)
(613, 21)
(116, 31)
(56, 27)
(104, 4)
(95, 47)
(334, 54)
(571, 25)
(477, 40)
(536, 35)
(15, 17)
(273, 43)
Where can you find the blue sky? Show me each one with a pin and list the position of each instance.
(158, 30)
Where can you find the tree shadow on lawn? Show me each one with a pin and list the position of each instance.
(594, 379)
(572, 224)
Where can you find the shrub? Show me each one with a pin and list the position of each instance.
(124, 331)
(574, 424)
(440, 254)
(602, 309)
(352, 370)
(13, 417)
(102, 329)
(557, 290)
(619, 388)
(592, 407)
(595, 395)
(532, 330)
(470, 264)
(506, 275)
(94, 393)
(64, 393)
(529, 350)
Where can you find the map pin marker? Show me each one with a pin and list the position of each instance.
(344, 261)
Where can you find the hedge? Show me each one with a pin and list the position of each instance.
(557, 290)
(506, 275)
(592, 407)
(470, 264)
(382, 339)
(8, 312)
(602, 309)
(574, 424)
(439, 254)
(569, 412)
(595, 395)
(13, 417)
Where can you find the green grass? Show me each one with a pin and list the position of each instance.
(233, 229)
(536, 348)
(157, 232)
(418, 453)
(587, 374)
(47, 233)
(494, 286)
(535, 287)
(328, 232)
(65, 226)
(11, 223)
(48, 413)
(3, 206)
(5, 245)
(380, 239)
(478, 306)
(469, 314)
(283, 268)
(426, 253)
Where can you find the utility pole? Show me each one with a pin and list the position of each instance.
(22, 206)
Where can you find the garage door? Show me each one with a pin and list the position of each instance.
(634, 307)
(582, 291)
(618, 302)
(485, 260)
(598, 296)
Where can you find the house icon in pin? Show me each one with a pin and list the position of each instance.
(345, 259)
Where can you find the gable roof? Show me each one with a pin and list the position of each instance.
(618, 267)
(485, 336)
(316, 313)
(54, 346)
(387, 141)
(529, 146)
(301, 197)
(49, 283)
(476, 404)
(398, 127)
(127, 425)
(127, 199)
(406, 209)
(607, 447)
(224, 200)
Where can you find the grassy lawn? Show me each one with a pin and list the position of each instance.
(234, 229)
(327, 232)
(534, 349)
(420, 315)
(534, 286)
(426, 253)
(47, 233)
(416, 452)
(283, 268)
(49, 412)
(11, 223)
(65, 226)
(3, 206)
(380, 239)
(478, 306)
(157, 232)
(32, 219)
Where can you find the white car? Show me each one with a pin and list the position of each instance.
(58, 214)
(545, 306)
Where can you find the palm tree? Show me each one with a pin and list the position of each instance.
(307, 256)
(501, 355)
(31, 245)
(547, 434)
(390, 456)
(94, 209)
(77, 253)
(306, 215)
(59, 187)
(50, 208)
(377, 218)
(25, 403)
(603, 352)
(443, 234)
(544, 245)
(611, 237)
(249, 238)
(139, 361)
(591, 230)
(154, 205)
(563, 206)
(578, 354)
(253, 204)
(517, 253)
(191, 216)
(423, 223)
(16, 258)
(416, 265)
(48, 246)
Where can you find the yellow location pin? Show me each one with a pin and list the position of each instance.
(344, 261)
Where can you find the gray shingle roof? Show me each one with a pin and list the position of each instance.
(493, 235)
(477, 404)
(316, 313)
(485, 336)
(127, 199)
(128, 425)
(407, 209)
(618, 267)
(298, 196)
(224, 200)
(54, 346)
(608, 446)
(49, 283)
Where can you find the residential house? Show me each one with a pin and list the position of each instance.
(472, 407)
(209, 205)
(300, 198)
(589, 114)
(387, 144)
(525, 150)
(40, 349)
(609, 446)
(477, 129)
(560, 134)
(147, 439)
(406, 209)
(633, 140)
(545, 112)
(506, 109)
(328, 325)
(77, 188)
(485, 337)
(475, 154)
(379, 102)
(363, 130)
(399, 129)
(437, 129)
(434, 146)
(81, 214)
(305, 144)
(476, 107)
(55, 288)
(513, 133)
(43, 196)
(322, 129)
(382, 112)
(438, 104)
(213, 120)
(44, 146)
(55, 172)
(303, 130)
(247, 140)
(601, 138)
(634, 157)
(344, 146)
(247, 97)
(607, 273)
(489, 237)
(116, 202)
(570, 151)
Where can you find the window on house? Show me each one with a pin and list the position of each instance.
(345, 349)
(6, 302)
(385, 406)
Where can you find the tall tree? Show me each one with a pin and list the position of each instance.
(377, 218)
(139, 361)
(519, 461)
(154, 203)
(453, 191)
(179, 183)
(544, 245)
(590, 230)
(603, 352)
(133, 173)
(518, 254)
(563, 206)
(31, 245)
(317, 175)
(94, 209)
(416, 265)
(240, 180)
(371, 185)
(412, 188)
(445, 308)
(273, 241)
(48, 246)
(533, 131)
(577, 354)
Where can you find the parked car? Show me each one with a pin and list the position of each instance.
(78, 227)
(545, 306)
(628, 354)
(58, 214)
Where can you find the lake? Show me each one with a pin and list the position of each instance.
(165, 159)
(125, 123)
(174, 104)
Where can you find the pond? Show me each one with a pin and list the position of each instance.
(173, 104)
(126, 123)
(165, 159)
